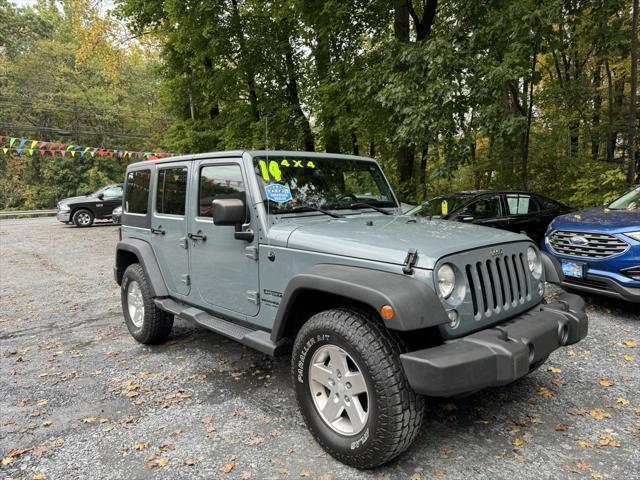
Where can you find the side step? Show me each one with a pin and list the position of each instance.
(257, 339)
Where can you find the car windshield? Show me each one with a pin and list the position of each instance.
(290, 184)
(439, 207)
(629, 201)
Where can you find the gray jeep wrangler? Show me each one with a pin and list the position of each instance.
(309, 252)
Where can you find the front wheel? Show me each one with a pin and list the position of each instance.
(351, 388)
(83, 218)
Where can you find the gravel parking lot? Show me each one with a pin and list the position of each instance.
(81, 399)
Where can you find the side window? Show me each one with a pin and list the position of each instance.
(218, 181)
(484, 208)
(547, 203)
(113, 192)
(137, 192)
(521, 204)
(171, 191)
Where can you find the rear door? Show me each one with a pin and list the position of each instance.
(524, 215)
(169, 225)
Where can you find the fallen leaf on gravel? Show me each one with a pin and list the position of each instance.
(276, 433)
(599, 414)
(622, 401)
(191, 461)
(47, 423)
(89, 420)
(628, 358)
(558, 382)
(131, 389)
(571, 353)
(156, 462)
(518, 442)
(585, 444)
(637, 410)
(439, 473)
(104, 420)
(42, 403)
(283, 472)
(583, 465)
(304, 472)
(141, 446)
(129, 419)
(211, 432)
(144, 374)
(596, 475)
(207, 420)
(605, 383)
(606, 440)
(45, 447)
(561, 427)
(176, 432)
(254, 440)
(39, 476)
(546, 392)
(554, 370)
(630, 343)
(227, 467)
(200, 377)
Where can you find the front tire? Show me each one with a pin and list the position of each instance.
(352, 390)
(147, 323)
(83, 218)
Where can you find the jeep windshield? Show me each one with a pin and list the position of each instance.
(294, 184)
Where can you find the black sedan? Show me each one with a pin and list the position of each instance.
(520, 212)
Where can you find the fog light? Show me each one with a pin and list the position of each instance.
(454, 319)
(386, 312)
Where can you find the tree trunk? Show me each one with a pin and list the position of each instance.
(597, 107)
(525, 154)
(633, 121)
(245, 66)
(422, 173)
(322, 57)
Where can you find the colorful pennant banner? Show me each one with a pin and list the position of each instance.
(25, 146)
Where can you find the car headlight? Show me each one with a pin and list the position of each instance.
(534, 262)
(63, 207)
(446, 280)
(634, 235)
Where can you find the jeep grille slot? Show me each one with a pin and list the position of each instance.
(586, 244)
(498, 284)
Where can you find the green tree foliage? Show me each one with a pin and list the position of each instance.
(65, 77)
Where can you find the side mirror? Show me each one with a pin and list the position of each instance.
(232, 211)
(101, 196)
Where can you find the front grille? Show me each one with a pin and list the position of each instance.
(587, 244)
(497, 284)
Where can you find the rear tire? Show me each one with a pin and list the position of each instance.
(337, 354)
(147, 323)
(83, 218)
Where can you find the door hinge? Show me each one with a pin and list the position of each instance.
(253, 296)
(251, 252)
(186, 279)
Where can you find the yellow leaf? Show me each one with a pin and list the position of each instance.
(637, 410)
(554, 370)
(439, 473)
(304, 472)
(47, 423)
(162, 462)
(7, 460)
(39, 476)
(605, 383)
(628, 358)
(42, 403)
(599, 414)
(622, 401)
(89, 420)
(141, 446)
(546, 392)
(227, 467)
(630, 343)
(584, 444)
(607, 440)
(596, 475)
(518, 442)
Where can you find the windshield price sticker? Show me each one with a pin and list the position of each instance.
(445, 207)
(278, 193)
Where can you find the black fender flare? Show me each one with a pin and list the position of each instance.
(147, 259)
(552, 269)
(415, 304)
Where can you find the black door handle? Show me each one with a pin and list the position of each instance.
(157, 231)
(197, 236)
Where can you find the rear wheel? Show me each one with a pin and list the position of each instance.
(351, 388)
(83, 218)
(147, 323)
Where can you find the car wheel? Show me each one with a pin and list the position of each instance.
(352, 390)
(147, 323)
(83, 218)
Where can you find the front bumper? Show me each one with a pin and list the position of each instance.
(499, 355)
(601, 285)
(64, 216)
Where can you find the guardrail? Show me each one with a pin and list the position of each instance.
(26, 213)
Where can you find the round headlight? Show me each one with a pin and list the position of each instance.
(446, 278)
(534, 262)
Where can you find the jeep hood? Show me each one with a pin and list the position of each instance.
(386, 238)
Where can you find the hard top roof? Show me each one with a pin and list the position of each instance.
(252, 153)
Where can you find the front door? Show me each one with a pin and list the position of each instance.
(224, 270)
(169, 226)
(111, 198)
(485, 211)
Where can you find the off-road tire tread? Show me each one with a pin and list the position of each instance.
(158, 322)
(401, 410)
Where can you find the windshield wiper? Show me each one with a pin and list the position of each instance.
(311, 209)
(368, 205)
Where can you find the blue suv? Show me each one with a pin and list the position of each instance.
(599, 248)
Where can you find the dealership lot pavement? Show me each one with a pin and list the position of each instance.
(80, 399)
